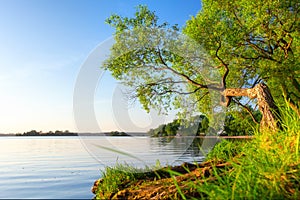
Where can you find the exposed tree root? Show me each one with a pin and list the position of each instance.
(165, 188)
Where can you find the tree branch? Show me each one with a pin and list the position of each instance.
(182, 75)
(224, 65)
(257, 80)
(261, 53)
(225, 100)
(198, 100)
(247, 109)
(175, 91)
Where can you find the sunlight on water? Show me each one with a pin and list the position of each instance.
(66, 167)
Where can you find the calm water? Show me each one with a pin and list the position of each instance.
(66, 167)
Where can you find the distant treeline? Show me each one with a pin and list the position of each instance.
(68, 133)
(50, 133)
(197, 125)
(116, 133)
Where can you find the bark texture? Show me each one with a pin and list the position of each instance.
(265, 101)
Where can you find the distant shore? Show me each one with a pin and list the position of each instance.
(135, 134)
(40, 134)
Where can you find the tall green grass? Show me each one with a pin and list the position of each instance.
(266, 167)
(124, 175)
(116, 178)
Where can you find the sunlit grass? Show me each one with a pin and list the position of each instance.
(117, 177)
(265, 167)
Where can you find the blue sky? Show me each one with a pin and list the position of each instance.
(43, 46)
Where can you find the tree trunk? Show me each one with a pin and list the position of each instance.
(265, 101)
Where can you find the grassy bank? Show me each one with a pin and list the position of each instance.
(265, 167)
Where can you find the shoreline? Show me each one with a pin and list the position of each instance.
(133, 135)
(154, 184)
(237, 167)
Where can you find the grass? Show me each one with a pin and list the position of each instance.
(118, 177)
(266, 167)
(122, 176)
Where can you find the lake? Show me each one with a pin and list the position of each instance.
(66, 167)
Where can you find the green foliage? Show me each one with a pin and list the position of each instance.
(115, 178)
(195, 126)
(265, 167)
(239, 122)
(226, 149)
(254, 41)
(116, 133)
(259, 40)
(164, 68)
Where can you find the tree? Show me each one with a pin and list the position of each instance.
(204, 125)
(237, 122)
(255, 40)
(196, 126)
(31, 133)
(172, 128)
(251, 43)
(161, 131)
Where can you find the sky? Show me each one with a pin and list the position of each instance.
(43, 45)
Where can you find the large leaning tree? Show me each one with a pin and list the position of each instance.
(254, 45)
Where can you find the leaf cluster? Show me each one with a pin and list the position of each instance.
(257, 40)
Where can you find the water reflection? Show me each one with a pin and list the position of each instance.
(63, 165)
(192, 148)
